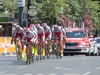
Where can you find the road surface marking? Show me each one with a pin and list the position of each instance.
(40, 74)
(57, 68)
(86, 73)
(22, 67)
(97, 68)
(8, 74)
(67, 69)
(66, 59)
(3, 72)
(52, 74)
(72, 74)
(27, 74)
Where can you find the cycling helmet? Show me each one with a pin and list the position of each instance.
(31, 25)
(31, 28)
(44, 24)
(17, 26)
(56, 26)
(37, 25)
(27, 30)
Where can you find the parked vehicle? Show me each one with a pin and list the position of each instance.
(97, 46)
(77, 42)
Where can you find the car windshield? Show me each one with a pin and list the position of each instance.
(76, 34)
(98, 40)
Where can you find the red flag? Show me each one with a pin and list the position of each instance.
(87, 20)
(63, 19)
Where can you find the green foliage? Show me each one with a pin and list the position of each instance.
(10, 6)
(50, 10)
(3, 19)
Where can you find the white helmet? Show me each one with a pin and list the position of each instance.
(56, 26)
(17, 26)
(44, 24)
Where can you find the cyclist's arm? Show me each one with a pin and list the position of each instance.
(13, 36)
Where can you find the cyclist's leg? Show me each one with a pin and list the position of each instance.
(61, 45)
(26, 57)
(35, 46)
(43, 46)
(39, 48)
(50, 43)
(49, 50)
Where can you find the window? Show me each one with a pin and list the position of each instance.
(76, 34)
(5, 29)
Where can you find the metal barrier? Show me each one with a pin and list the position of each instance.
(6, 46)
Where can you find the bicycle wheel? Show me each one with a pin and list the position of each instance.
(29, 56)
(27, 59)
(37, 57)
(47, 53)
(60, 55)
(58, 52)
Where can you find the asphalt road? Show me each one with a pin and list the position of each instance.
(68, 65)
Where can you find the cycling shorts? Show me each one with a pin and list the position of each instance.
(19, 35)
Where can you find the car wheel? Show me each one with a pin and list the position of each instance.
(71, 54)
(65, 54)
(98, 54)
(87, 54)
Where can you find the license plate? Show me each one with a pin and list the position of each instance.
(70, 47)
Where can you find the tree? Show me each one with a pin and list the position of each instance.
(9, 6)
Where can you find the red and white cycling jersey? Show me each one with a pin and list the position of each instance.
(41, 33)
(47, 31)
(29, 36)
(63, 31)
(18, 33)
(58, 32)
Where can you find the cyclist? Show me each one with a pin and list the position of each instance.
(64, 35)
(48, 34)
(34, 50)
(29, 39)
(18, 33)
(58, 35)
(41, 38)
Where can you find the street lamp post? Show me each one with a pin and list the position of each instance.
(28, 7)
(32, 11)
(21, 5)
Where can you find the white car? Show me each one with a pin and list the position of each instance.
(92, 51)
(97, 45)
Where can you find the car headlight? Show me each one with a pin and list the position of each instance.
(84, 44)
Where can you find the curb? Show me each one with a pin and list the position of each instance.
(8, 54)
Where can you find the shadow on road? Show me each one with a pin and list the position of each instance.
(18, 63)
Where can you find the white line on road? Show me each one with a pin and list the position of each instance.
(22, 67)
(3, 72)
(67, 69)
(72, 74)
(8, 74)
(52, 74)
(97, 68)
(27, 74)
(40, 74)
(86, 73)
(57, 67)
